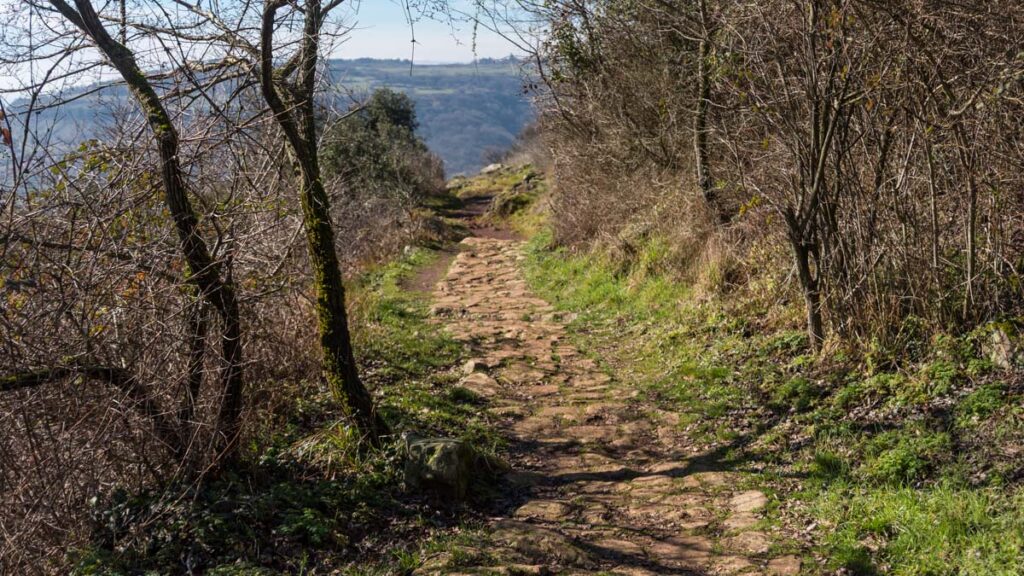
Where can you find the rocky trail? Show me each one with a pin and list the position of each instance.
(601, 482)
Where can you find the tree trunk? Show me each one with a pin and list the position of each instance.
(932, 194)
(700, 119)
(339, 365)
(202, 271)
(812, 295)
(197, 330)
(292, 106)
(967, 163)
(971, 241)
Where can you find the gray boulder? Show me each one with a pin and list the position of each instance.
(1000, 348)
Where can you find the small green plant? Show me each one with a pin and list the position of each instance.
(462, 395)
(854, 558)
(982, 402)
(308, 526)
(829, 465)
(787, 341)
(850, 395)
(942, 375)
(904, 456)
(796, 394)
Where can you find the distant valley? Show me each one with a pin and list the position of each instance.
(464, 110)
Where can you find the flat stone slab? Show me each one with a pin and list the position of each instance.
(656, 484)
(784, 566)
(549, 510)
(749, 501)
(730, 565)
(481, 384)
(686, 550)
(540, 390)
(741, 521)
(749, 542)
(541, 545)
(619, 548)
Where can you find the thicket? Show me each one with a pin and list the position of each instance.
(867, 153)
(160, 315)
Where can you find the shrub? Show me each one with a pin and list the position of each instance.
(982, 402)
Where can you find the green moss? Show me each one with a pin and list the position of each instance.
(797, 394)
(902, 457)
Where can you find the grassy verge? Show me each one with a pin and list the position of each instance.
(515, 191)
(306, 499)
(911, 469)
(409, 361)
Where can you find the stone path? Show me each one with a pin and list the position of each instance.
(603, 485)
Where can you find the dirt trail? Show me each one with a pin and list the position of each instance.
(603, 484)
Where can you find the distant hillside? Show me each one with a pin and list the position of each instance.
(464, 110)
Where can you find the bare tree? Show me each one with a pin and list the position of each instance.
(291, 100)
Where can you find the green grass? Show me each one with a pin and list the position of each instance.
(408, 360)
(941, 530)
(648, 329)
(904, 460)
(497, 182)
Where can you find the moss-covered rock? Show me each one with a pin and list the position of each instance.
(447, 467)
(1000, 347)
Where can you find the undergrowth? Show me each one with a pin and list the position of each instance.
(911, 468)
(305, 498)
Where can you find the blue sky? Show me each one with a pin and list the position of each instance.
(383, 31)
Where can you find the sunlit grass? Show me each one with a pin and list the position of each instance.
(888, 498)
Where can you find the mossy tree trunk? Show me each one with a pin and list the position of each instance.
(203, 271)
(291, 101)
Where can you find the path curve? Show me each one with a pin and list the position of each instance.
(602, 484)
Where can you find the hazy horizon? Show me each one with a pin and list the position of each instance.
(382, 30)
